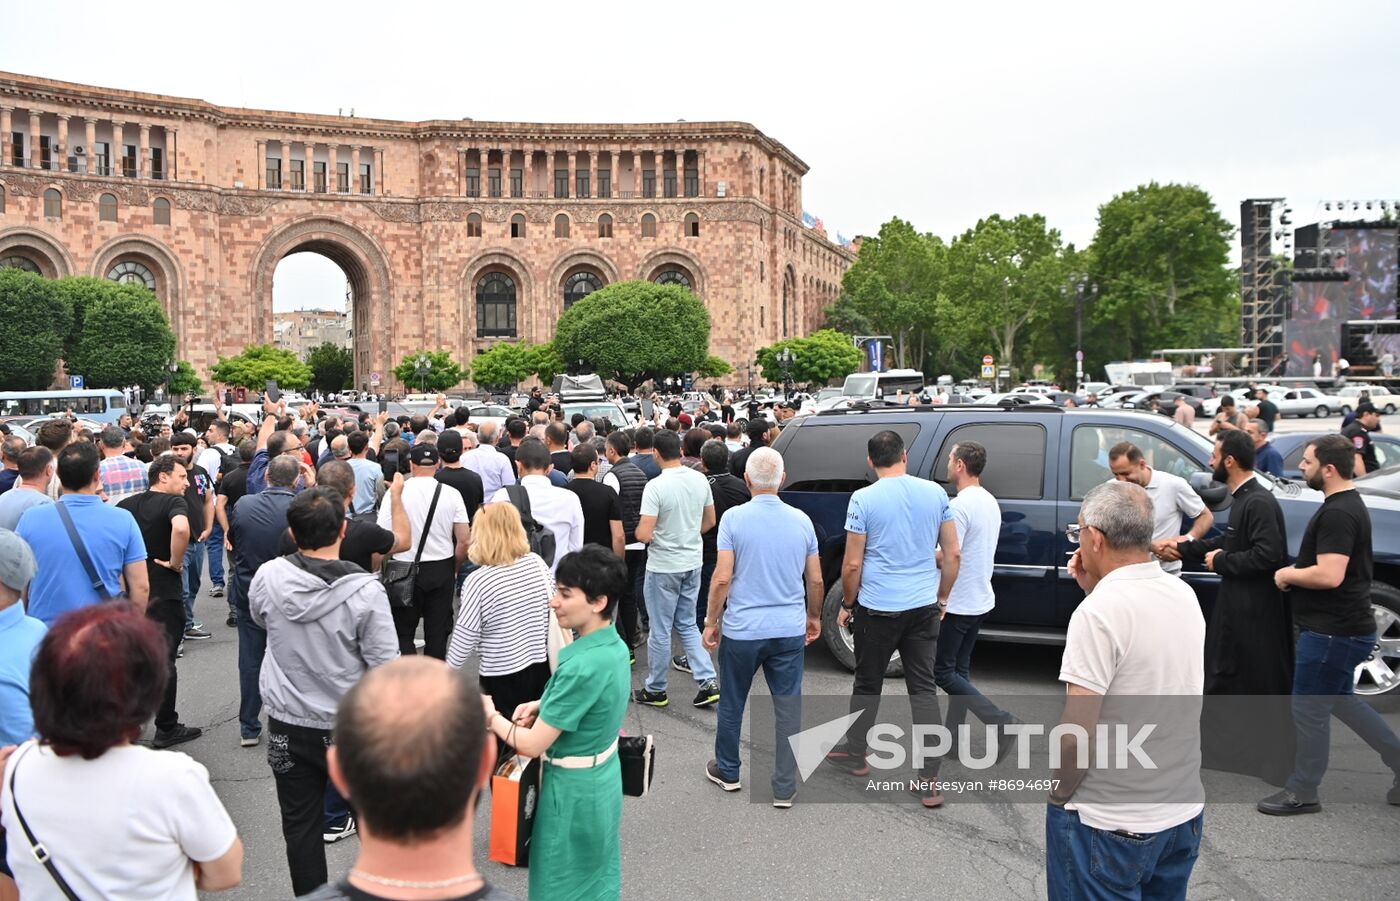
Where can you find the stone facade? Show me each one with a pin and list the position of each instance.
(302, 331)
(452, 234)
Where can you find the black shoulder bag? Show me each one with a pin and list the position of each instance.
(398, 577)
(36, 847)
(98, 585)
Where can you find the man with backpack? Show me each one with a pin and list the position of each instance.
(542, 506)
(220, 459)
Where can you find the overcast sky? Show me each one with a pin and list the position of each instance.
(939, 115)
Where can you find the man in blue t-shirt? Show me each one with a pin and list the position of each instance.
(109, 535)
(19, 639)
(894, 528)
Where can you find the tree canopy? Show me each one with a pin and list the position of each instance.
(332, 367)
(891, 289)
(35, 319)
(185, 380)
(820, 357)
(124, 339)
(443, 371)
(713, 368)
(259, 363)
(502, 366)
(632, 332)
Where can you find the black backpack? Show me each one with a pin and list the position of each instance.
(228, 461)
(541, 539)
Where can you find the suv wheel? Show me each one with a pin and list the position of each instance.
(1380, 673)
(841, 642)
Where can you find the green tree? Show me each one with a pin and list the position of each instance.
(35, 320)
(185, 380)
(544, 361)
(502, 366)
(1002, 277)
(124, 338)
(259, 363)
(1161, 263)
(81, 292)
(443, 371)
(713, 368)
(332, 367)
(820, 357)
(632, 332)
(891, 289)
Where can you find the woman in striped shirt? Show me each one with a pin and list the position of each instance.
(504, 615)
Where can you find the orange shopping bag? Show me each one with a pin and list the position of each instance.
(515, 792)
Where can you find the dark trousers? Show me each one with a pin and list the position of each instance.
(170, 616)
(952, 664)
(632, 599)
(336, 807)
(513, 689)
(702, 601)
(297, 756)
(432, 603)
(252, 645)
(1324, 686)
(914, 634)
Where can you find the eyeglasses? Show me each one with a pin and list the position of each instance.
(1072, 532)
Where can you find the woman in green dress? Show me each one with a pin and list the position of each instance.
(576, 848)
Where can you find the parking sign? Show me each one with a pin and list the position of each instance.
(75, 381)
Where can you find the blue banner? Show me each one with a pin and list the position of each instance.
(876, 350)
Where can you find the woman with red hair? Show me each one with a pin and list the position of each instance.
(118, 820)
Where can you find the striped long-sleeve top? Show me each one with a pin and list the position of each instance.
(504, 617)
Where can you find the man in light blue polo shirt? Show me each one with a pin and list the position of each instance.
(19, 640)
(110, 535)
(768, 584)
(894, 592)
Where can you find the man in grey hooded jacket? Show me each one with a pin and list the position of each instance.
(327, 624)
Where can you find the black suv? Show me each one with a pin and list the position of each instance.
(1041, 461)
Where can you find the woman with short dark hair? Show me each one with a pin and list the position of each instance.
(119, 820)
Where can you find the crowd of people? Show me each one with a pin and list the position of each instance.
(355, 542)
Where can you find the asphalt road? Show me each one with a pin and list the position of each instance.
(688, 839)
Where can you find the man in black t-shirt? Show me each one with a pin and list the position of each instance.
(161, 516)
(1358, 432)
(1263, 408)
(199, 506)
(1330, 583)
(365, 544)
(232, 486)
(602, 512)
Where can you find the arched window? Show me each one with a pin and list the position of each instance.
(673, 277)
(692, 225)
(578, 286)
(107, 208)
(53, 204)
(561, 226)
(19, 262)
(131, 272)
(604, 225)
(495, 306)
(161, 211)
(2, 198)
(648, 225)
(517, 226)
(473, 225)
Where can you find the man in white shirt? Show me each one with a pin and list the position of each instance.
(1172, 498)
(445, 547)
(978, 519)
(483, 459)
(1143, 824)
(212, 458)
(556, 509)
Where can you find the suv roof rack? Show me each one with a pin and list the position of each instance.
(887, 407)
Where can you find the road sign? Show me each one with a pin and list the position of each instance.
(1004, 374)
(374, 378)
(988, 371)
(75, 381)
(988, 360)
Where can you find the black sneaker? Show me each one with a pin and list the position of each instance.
(232, 618)
(338, 830)
(1393, 796)
(180, 649)
(1006, 743)
(1287, 804)
(847, 762)
(631, 658)
(650, 698)
(196, 633)
(708, 694)
(713, 774)
(681, 662)
(217, 591)
(177, 736)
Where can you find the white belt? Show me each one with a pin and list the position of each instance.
(583, 763)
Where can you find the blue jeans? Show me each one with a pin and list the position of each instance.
(670, 601)
(335, 807)
(1324, 681)
(252, 646)
(952, 665)
(214, 546)
(1087, 864)
(194, 572)
(781, 660)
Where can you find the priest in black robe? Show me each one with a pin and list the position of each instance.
(1247, 725)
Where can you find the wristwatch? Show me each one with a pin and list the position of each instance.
(850, 606)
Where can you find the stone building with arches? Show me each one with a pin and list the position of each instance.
(453, 234)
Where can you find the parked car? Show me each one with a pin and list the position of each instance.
(1166, 398)
(1015, 399)
(1302, 402)
(1291, 445)
(1385, 401)
(1040, 463)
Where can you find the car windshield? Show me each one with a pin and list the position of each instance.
(596, 411)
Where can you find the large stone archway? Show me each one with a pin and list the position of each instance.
(365, 266)
(40, 249)
(164, 266)
(676, 257)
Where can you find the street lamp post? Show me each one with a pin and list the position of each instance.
(1082, 291)
(425, 366)
(785, 359)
